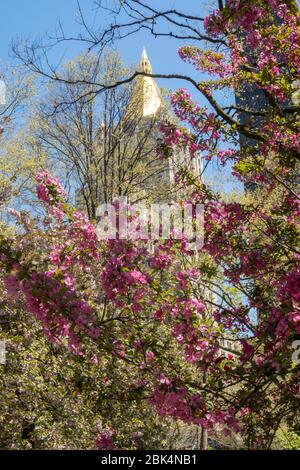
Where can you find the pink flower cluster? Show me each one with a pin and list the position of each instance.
(49, 189)
(105, 441)
(12, 285)
(51, 192)
(214, 24)
(172, 399)
(120, 275)
(180, 138)
(160, 261)
(60, 310)
(205, 125)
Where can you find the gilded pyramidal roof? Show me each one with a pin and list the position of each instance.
(146, 99)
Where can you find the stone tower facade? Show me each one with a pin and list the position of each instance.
(125, 151)
(149, 104)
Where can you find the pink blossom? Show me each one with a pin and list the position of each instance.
(149, 356)
(105, 441)
(12, 285)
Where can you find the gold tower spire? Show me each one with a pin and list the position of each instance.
(146, 99)
(145, 65)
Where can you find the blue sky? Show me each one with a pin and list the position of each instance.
(33, 18)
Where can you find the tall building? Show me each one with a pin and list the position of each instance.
(252, 100)
(148, 104)
(146, 99)
(125, 152)
(145, 110)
